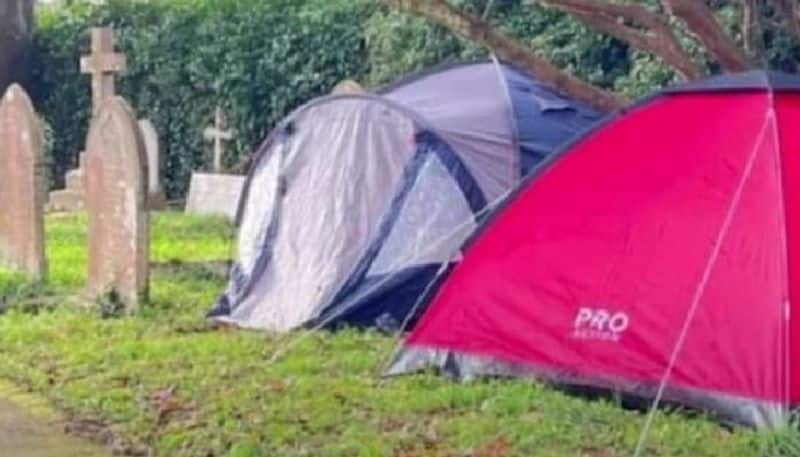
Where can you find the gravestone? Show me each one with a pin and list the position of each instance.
(116, 199)
(155, 191)
(347, 87)
(102, 64)
(218, 134)
(70, 198)
(215, 193)
(22, 185)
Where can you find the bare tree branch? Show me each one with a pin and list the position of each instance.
(704, 25)
(507, 48)
(636, 25)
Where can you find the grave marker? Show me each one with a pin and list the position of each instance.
(218, 135)
(155, 191)
(103, 63)
(215, 193)
(116, 199)
(22, 185)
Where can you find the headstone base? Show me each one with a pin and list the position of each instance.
(214, 193)
(65, 201)
(71, 197)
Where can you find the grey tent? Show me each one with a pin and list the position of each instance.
(355, 201)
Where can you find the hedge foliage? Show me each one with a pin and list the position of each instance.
(256, 59)
(259, 59)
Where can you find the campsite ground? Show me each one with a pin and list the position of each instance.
(162, 380)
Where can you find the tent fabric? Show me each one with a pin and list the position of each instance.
(308, 258)
(468, 108)
(354, 202)
(544, 120)
(590, 278)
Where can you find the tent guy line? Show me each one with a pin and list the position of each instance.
(769, 119)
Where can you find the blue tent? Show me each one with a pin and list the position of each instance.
(355, 202)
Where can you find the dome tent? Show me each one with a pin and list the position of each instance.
(355, 201)
(668, 274)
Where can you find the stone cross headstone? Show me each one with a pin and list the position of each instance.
(155, 191)
(116, 199)
(218, 134)
(102, 64)
(22, 185)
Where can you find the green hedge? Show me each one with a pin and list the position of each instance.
(259, 59)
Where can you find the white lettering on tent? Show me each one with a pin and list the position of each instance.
(599, 324)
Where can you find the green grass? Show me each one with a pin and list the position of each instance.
(323, 398)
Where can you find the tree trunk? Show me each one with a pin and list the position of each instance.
(506, 48)
(16, 23)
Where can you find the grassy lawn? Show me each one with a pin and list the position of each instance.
(162, 382)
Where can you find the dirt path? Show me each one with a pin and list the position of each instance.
(22, 435)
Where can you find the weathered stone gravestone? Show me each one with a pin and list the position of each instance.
(22, 185)
(155, 191)
(102, 64)
(215, 193)
(116, 203)
(347, 87)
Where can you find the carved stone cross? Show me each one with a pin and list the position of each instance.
(102, 64)
(217, 134)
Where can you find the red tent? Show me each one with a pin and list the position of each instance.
(659, 252)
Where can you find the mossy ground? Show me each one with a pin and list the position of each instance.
(164, 382)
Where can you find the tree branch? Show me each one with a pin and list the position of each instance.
(704, 25)
(636, 25)
(507, 48)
